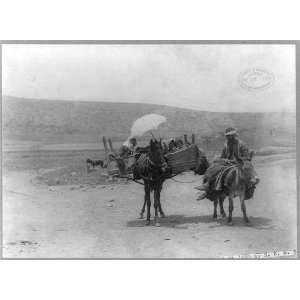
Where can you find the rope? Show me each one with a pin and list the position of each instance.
(223, 172)
(182, 181)
(129, 178)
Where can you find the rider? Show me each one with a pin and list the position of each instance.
(234, 150)
(128, 147)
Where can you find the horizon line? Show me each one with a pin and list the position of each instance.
(93, 100)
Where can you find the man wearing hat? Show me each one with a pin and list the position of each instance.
(234, 150)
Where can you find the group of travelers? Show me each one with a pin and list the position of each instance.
(234, 151)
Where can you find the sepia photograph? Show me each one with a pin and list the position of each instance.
(158, 150)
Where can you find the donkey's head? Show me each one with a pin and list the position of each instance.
(203, 163)
(114, 165)
(156, 154)
(248, 174)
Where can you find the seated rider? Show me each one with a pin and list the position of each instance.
(128, 148)
(234, 150)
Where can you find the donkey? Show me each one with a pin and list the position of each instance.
(240, 181)
(144, 168)
(152, 168)
(91, 164)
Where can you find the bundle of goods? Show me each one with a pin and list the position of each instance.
(184, 159)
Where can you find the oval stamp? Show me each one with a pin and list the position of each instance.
(256, 79)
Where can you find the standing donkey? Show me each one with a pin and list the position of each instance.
(240, 181)
(152, 168)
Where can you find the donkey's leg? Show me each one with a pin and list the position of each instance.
(145, 202)
(243, 206)
(162, 214)
(156, 196)
(230, 198)
(148, 201)
(215, 215)
(221, 202)
(143, 208)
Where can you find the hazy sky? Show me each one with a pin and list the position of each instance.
(205, 77)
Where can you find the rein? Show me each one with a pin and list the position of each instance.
(129, 178)
(182, 181)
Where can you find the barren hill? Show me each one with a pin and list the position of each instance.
(55, 121)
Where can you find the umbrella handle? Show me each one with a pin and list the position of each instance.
(153, 135)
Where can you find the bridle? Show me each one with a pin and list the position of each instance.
(162, 165)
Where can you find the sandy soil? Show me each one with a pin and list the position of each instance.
(101, 221)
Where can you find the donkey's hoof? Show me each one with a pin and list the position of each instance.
(141, 216)
(147, 222)
(229, 222)
(246, 220)
(223, 216)
(157, 224)
(215, 217)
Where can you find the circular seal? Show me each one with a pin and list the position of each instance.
(256, 79)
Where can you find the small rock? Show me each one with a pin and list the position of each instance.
(167, 239)
(226, 241)
(112, 200)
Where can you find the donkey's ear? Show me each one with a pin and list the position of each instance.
(251, 154)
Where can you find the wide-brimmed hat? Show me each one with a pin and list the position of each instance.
(230, 131)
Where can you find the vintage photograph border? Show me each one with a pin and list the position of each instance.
(261, 256)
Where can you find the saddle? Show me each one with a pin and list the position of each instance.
(218, 175)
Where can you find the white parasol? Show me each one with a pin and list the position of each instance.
(146, 123)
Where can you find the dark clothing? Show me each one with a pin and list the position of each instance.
(235, 150)
(125, 151)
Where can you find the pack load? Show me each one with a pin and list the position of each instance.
(183, 159)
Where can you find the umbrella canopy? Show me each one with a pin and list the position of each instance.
(146, 123)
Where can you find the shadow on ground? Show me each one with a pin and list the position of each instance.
(176, 221)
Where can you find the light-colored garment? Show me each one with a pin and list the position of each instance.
(130, 146)
(126, 143)
(127, 148)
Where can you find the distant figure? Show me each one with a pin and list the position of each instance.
(91, 164)
(172, 145)
(179, 143)
(272, 132)
(129, 147)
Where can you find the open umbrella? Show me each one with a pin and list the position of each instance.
(146, 123)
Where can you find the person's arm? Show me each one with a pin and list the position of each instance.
(123, 150)
(223, 153)
(244, 151)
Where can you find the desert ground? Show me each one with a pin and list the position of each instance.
(52, 208)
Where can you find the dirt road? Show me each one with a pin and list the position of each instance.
(84, 221)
